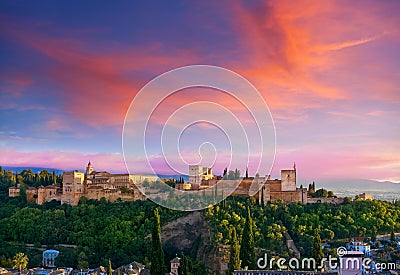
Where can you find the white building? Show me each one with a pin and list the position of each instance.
(359, 246)
(175, 265)
(197, 173)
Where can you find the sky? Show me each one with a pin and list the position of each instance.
(329, 72)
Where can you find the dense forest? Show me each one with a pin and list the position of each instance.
(332, 222)
(99, 230)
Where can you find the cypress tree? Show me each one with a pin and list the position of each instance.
(16, 178)
(392, 237)
(262, 196)
(247, 245)
(157, 253)
(109, 267)
(225, 175)
(185, 266)
(316, 251)
(54, 178)
(373, 235)
(234, 258)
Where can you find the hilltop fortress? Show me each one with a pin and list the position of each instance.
(91, 184)
(97, 185)
(284, 189)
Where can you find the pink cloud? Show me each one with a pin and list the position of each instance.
(342, 163)
(65, 160)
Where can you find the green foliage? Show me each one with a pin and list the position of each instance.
(316, 252)
(20, 261)
(272, 221)
(22, 193)
(322, 193)
(6, 262)
(392, 237)
(247, 245)
(121, 231)
(234, 257)
(101, 230)
(109, 268)
(82, 261)
(185, 266)
(157, 253)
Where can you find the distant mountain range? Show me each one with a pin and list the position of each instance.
(385, 190)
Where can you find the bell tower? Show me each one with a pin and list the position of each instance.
(89, 169)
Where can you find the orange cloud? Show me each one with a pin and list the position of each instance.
(294, 48)
(97, 88)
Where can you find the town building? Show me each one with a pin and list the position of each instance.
(49, 258)
(134, 268)
(175, 262)
(359, 246)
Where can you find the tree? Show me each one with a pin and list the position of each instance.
(109, 267)
(20, 261)
(316, 252)
(346, 200)
(54, 177)
(321, 193)
(392, 237)
(28, 176)
(82, 261)
(22, 193)
(247, 245)
(157, 253)
(185, 266)
(311, 189)
(237, 174)
(373, 235)
(262, 196)
(231, 175)
(225, 174)
(234, 257)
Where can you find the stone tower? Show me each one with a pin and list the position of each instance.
(288, 179)
(89, 169)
